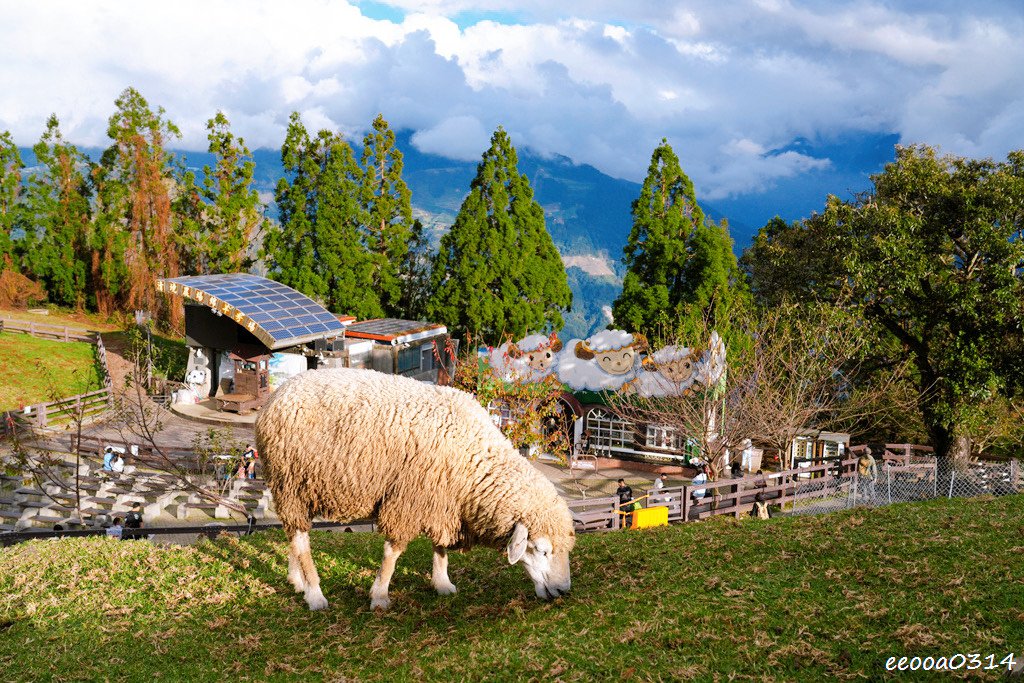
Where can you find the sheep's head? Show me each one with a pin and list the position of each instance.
(545, 560)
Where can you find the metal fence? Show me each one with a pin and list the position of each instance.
(923, 479)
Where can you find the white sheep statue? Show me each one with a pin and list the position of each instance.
(345, 444)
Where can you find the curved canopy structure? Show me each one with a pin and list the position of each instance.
(275, 314)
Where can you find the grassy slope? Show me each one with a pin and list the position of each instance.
(787, 599)
(70, 368)
(77, 319)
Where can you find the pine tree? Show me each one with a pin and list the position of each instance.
(10, 193)
(664, 217)
(232, 213)
(385, 201)
(58, 204)
(136, 238)
(498, 272)
(317, 247)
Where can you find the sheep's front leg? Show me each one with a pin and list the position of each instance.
(379, 591)
(440, 578)
(311, 580)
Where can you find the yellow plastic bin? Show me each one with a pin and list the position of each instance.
(652, 516)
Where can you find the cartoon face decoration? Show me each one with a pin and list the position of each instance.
(680, 370)
(541, 359)
(614, 358)
(617, 362)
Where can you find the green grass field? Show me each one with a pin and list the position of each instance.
(40, 370)
(809, 598)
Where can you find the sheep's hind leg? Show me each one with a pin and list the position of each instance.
(440, 579)
(314, 596)
(379, 591)
(294, 565)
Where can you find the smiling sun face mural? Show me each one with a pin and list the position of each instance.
(613, 360)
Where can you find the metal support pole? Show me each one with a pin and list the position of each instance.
(952, 474)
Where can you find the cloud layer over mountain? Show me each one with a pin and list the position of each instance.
(731, 85)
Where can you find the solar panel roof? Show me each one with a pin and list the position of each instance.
(276, 314)
(394, 330)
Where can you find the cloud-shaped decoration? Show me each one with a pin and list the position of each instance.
(670, 371)
(603, 362)
(711, 368)
(531, 358)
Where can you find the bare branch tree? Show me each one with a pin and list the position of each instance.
(791, 374)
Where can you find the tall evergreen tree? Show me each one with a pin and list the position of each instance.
(385, 201)
(317, 247)
(58, 204)
(135, 240)
(498, 272)
(232, 212)
(681, 271)
(10, 193)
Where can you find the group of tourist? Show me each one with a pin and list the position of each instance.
(127, 528)
(112, 460)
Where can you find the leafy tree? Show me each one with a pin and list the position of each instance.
(385, 201)
(933, 259)
(10, 192)
(497, 271)
(791, 263)
(317, 248)
(136, 238)
(58, 203)
(233, 213)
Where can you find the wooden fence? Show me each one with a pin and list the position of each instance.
(89, 404)
(45, 331)
(43, 415)
(722, 497)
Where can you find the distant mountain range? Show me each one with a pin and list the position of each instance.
(588, 212)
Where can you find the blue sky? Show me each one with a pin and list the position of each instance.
(756, 96)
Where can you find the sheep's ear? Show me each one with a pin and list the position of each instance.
(516, 547)
(583, 351)
(514, 352)
(556, 345)
(640, 342)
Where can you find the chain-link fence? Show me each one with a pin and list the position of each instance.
(922, 478)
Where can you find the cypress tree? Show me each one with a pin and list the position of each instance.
(715, 290)
(232, 214)
(136, 238)
(10, 192)
(317, 248)
(664, 217)
(497, 271)
(58, 203)
(385, 201)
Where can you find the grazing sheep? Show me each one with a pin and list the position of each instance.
(345, 444)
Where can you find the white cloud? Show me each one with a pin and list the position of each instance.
(596, 80)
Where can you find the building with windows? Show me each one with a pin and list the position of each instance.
(237, 320)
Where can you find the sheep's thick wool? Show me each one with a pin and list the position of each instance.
(345, 444)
